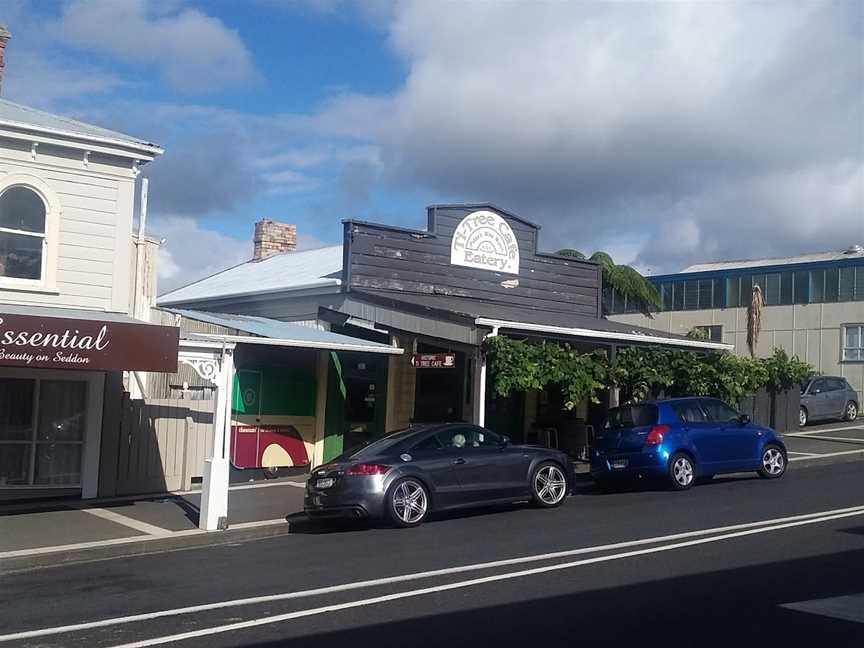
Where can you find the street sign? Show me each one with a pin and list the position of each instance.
(433, 361)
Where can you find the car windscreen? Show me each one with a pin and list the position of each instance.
(631, 416)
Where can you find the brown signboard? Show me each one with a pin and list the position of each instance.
(61, 343)
(433, 360)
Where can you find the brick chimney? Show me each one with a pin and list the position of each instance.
(272, 238)
(5, 35)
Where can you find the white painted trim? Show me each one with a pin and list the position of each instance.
(300, 344)
(149, 151)
(603, 335)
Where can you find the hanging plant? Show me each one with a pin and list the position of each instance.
(754, 319)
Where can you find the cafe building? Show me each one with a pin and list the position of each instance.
(67, 257)
(474, 271)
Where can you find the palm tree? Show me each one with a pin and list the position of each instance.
(623, 279)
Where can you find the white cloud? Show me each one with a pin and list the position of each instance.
(195, 52)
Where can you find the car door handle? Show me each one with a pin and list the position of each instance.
(459, 461)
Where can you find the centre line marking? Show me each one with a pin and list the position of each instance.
(806, 517)
(231, 627)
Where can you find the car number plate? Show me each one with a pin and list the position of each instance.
(324, 483)
(618, 464)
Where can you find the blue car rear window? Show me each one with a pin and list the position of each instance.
(631, 416)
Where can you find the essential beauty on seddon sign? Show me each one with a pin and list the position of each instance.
(485, 240)
(48, 342)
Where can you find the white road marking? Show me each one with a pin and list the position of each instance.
(125, 520)
(823, 430)
(806, 454)
(828, 454)
(805, 517)
(848, 608)
(833, 438)
(21, 553)
(279, 618)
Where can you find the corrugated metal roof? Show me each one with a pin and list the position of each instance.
(287, 271)
(756, 263)
(17, 115)
(284, 333)
(68, 313)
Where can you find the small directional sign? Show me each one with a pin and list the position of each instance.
(433, 360)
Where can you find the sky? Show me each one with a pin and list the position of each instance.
(664, 133)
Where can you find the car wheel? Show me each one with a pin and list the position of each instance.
(408, 503)
(681, 471)
(548, 485)
(851, 411)
(802, 417)
(773, 462)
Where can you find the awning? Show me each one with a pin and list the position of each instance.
(636, 336)
(266, 331)
(61, 338)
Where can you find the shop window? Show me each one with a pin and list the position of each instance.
(42, 425)
(713, 333)
(853, 342)
(817, 286)
(772, 289)
(23, 237)
(691, 294)
(786, 288)
(801, 287)
(832, 284)
(847, 283)
(706, 293)
(666, 294)
(678, 301)
(733, 292)
(859, 283)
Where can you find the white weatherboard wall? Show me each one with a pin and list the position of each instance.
(810, 331)
(95, 203)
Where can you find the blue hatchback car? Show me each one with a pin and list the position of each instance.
(681, 440)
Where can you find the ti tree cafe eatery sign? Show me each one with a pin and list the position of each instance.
(485, 240)
(433, 361)
(60, 343)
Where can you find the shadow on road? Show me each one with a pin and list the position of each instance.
(737, 607)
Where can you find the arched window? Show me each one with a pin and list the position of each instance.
(23, 239)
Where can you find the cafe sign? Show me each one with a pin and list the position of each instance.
(62, 343)
(433, 361)
(485, 240)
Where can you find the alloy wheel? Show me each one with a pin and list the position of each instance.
(550, 484)
(410, 501)
(802, 417)
(682, 471)
(773, 461)
(851, 412)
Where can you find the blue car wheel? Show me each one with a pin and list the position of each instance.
(773, 462)
(682, 473)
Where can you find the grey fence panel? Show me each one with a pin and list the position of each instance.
(163, 444)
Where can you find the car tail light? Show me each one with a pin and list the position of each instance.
(367, 469)
(655, 436)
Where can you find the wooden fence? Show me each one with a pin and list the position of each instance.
(163, 444)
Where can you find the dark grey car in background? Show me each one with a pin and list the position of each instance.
(408, 474)
(828, 397)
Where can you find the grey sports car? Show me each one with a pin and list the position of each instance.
(410, 473)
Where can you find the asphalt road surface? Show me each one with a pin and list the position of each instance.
(737, 561)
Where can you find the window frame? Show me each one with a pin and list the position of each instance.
(859, 348)
(48, 276)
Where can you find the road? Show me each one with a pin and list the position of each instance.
(737, 560)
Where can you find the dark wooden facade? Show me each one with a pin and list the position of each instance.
(395, 262)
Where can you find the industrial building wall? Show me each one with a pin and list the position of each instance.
(813, 332)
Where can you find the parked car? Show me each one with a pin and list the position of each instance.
(410, 473)
(681, 440)
(828, 397)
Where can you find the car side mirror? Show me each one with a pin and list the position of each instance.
(743, 419)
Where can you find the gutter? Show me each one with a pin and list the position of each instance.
(603, 335)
